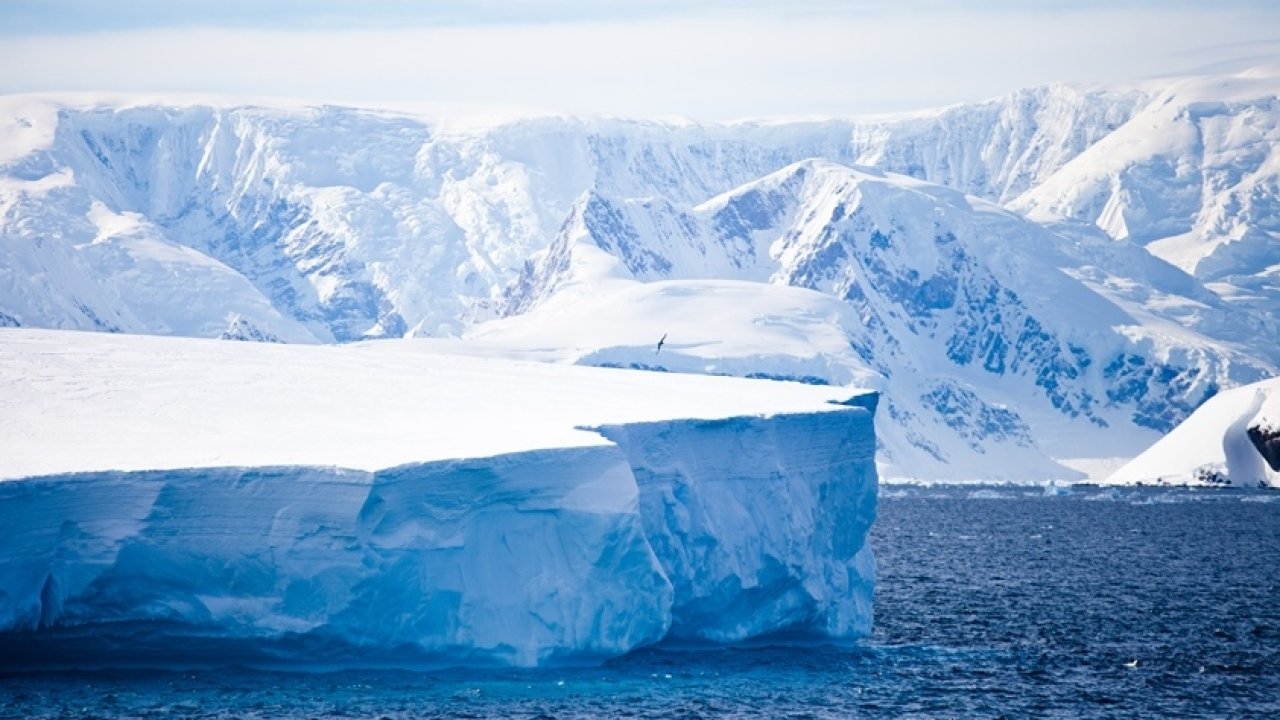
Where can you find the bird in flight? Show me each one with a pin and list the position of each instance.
(660, 343)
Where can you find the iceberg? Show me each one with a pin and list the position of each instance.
(1232, 439)
(760, 523)
(179, 501)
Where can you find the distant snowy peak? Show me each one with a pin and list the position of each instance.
(1184, 166)
(360, 223)
(349, 222)
(356, 223)
(1000, 148)
(1233, 439)
(1194, 176)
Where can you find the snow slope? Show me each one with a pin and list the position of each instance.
(1004, 344)
(713, 327)
(1000, 148)
(352, 223)
(1194, 176)
(188, 501)
(1233, 439)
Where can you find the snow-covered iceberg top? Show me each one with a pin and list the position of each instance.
(83, 402)
(188, 501)
(1233, 439)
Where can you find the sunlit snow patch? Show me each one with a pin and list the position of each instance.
(1227, 441)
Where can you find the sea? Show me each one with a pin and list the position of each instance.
(991, 602)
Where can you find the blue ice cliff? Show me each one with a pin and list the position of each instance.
(721, 527)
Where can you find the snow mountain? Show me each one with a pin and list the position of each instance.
(990, 329)
(1058, 269)
(1003, 147)
(335, 224)
(1185, 167)
(1195, 178)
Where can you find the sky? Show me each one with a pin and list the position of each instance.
(707, 60)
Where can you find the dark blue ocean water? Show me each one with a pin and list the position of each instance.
(997, 602)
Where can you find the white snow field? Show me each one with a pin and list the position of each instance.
(1220, 444)
(382, 503)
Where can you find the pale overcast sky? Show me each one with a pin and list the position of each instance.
(711, 60)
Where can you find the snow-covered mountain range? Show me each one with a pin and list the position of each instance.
(1041, 282)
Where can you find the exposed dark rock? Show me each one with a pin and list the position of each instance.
(1267, 440)
(1210, 476)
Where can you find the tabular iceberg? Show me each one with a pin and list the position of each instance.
(690, 511)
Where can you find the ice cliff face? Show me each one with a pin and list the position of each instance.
(581, 546)
(530, 559)
(799, 568)
(489, 561)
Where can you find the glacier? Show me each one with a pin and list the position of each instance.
(189, 502)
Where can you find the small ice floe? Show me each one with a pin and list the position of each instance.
(1055, 488)
(1260, 498)
(1131, 664)
(1105, 495)
(990, 494)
